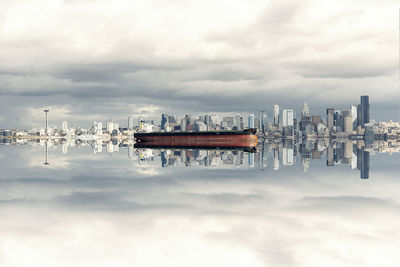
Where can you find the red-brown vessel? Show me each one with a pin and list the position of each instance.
(244, 138)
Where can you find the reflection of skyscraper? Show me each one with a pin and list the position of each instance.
(363, 163)
(275, 110)
(330, 155)
(251, 160)
(287, 156)
(276, 159)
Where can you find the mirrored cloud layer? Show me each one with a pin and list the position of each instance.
(104, 209)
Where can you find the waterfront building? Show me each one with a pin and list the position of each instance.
(275, 112)
(110, 126)
(365, 114)
(251, 121)
(65, 126)
(305, 112)
(287, 117)
(330, 119)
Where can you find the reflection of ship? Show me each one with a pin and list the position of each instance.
(231, 139)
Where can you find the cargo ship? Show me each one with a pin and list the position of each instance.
(226, 139)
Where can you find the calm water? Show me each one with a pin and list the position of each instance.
(164, 207)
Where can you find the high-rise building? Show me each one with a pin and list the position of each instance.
(164, 120)
(262, 120)
(275, 112)
(287, 117)
(110, 126)
(130, 123)
(330, 118)
(237, 121)
(347, 122)
(65, 126)
(305, 112)
(251, 121)
(364, 110)
(183, 125)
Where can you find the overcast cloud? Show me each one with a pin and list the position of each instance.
(96, 60)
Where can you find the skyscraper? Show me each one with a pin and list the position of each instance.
(262, 119)
(364, 110)
(65, 126)
(275, 112)
(237, 121)
(164, 120)
(251, 121)
(305, 112)
(287, 117)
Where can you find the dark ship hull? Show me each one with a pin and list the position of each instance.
(244, 138)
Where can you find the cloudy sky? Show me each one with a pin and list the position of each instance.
(96, 59)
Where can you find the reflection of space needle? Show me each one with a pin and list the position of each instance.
(46, 162)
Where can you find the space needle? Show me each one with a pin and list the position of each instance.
(46, 111)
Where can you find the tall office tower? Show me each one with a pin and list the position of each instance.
(110, 126)
(338, 121)
(353, 113)
(237, 120)
(330, 118)
(287, 117)
(347, 122)
(183, 125)
(262, 119)
(275, 112)
(305, 112)
(65, 126)
(359, 115)
(130, 123)
(364, 110)
(251, 121)
(164, 120)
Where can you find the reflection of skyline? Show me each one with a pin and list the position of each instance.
(275, 154)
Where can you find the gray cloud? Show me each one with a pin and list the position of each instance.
(285, 54)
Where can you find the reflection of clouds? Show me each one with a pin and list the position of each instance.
(104, 211)
(148, 171)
